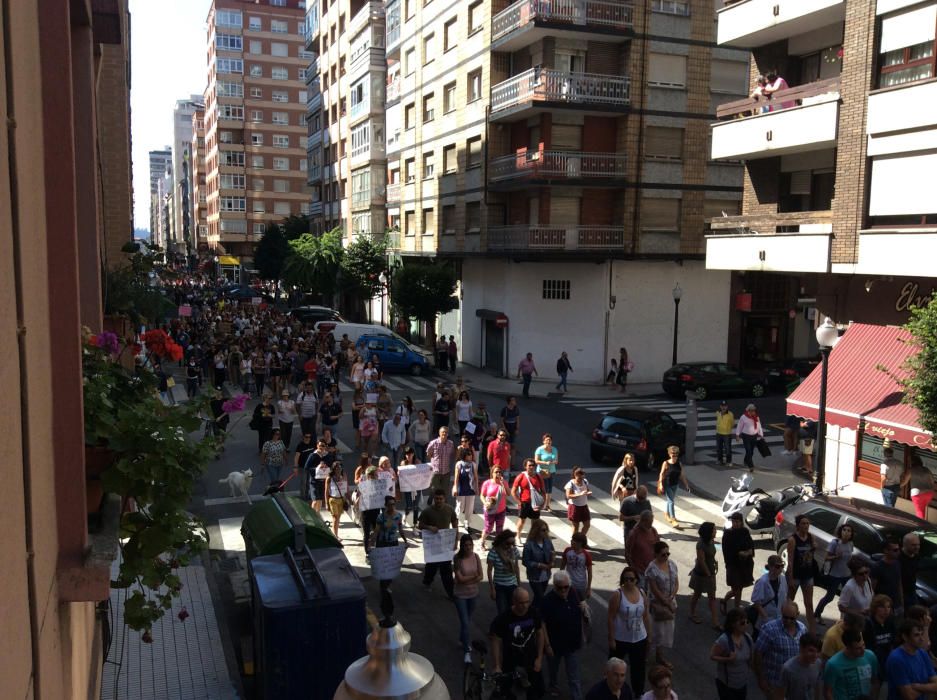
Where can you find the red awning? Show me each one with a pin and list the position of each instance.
(858, 391)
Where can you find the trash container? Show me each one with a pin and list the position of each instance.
(278, 523)
(309, 615)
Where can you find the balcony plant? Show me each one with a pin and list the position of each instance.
(150, 460)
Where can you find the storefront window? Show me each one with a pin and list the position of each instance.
(871, 450)
(930, 460)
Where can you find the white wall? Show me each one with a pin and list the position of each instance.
(642, 319)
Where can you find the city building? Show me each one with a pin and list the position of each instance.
(558, 154)
(65, 194)
(182, 228)
(199, 195)
(255, 126)
(839, 217)
(158, 162)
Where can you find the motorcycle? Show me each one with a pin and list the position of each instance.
(758, 507)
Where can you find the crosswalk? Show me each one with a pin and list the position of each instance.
(705, 445)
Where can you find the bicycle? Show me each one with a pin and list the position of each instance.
(481, 684)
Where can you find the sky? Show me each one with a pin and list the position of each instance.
(167, 63)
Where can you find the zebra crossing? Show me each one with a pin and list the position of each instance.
(396, 383)
(705, 445)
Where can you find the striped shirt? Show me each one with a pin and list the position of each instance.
(503, 571)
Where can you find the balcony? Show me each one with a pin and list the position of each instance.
(534, 238)
(315, 208)
(392, 239)
(528, 21)
(375, 196)
(782, 242)
(393, 25)
(751, 23)
(393, 193)
(393, 90)
(803, 118)
(528, 167)
(370, 12)
(544, 89)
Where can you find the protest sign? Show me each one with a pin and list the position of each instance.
(388, 480)
(386, 561)
(414, 477)
(438, 546)
(372, 493)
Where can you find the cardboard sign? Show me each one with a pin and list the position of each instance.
(387, 478)
(185, 310)
(386, 561)
(414, 477)
(372, 493)
(439, 546)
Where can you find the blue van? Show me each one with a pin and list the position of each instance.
(395, 355)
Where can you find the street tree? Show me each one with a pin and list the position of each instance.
(314, 263)
(921, 383)
(294, 226)
(271, 255)
(364, 261)
(423, 291)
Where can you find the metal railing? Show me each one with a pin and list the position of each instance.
(780, 222)
(393, 89)
(557, 165)
(597, 13)
(782, 99)
(567, 238)
(548, 85)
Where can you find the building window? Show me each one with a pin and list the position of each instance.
(473, 217)
(230, 65)
(449, 159)
(259, 228)
(257, 92)
(228, 42)
(232, 112)
(428, 111)
(671, 7)
(409, 169)
(281, 163)
(254, 24)
(729, 77)
(257, 71)
(228, 89)
(473, 149)
(281, 185)
(666, 70)
(257, 115)
(232, 181)
(409, 223)
(663, 143)
(280, 96)
(258, 206)
(279, 73)
(428, 165)
(660, 214)
(906, 50)
(556, 289)
(256, 47)
(409, 61)
(448, 98)
(429, 48)
(228, 18)
(233, 226)
(233, 204)
(301, 72)
(279, 49)
(449, 38)
(475, 18)
(257, 183)
(281, 208)
(257, 139)
(280, 118)
(278, 3)
(303, 164)
(448, 219)
(281, 141)
(429, 222)
(235, 158)
(279, 26)
(257, 162)
(226, 137)
(409, 116)
(474, 86)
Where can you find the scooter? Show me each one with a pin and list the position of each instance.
(740, 498)
(758, 507)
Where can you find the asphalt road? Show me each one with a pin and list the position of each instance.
(427, 615)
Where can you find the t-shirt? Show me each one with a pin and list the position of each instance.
(548, 455)
(509, 415)
(442, 517)
(577, 565)
(502, 571)
(518, 634)
(850, 678)
(880, 640)
(330, 413)
(887, 579)
(800, 682)
(735, 673)
(389, 528)
(903, 668)
(522, 484)
(571, 485)
(633, 506)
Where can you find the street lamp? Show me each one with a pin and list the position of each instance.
(827, 335)
(382, 278)
(677, 295)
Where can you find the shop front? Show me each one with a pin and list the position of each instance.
(865, 407)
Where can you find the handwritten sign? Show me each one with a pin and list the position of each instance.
(438, 546)
(372, 493)
(386, 561)
(388, 479)
(370, 398)
(414, 477)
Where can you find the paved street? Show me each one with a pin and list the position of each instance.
(429, 617)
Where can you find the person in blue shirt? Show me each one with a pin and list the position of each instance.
(909, 670)
(852, 672)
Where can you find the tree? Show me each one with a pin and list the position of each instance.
(271, 254)
(921, 383)
(314, 262)
(365, 259)
(422, 291)
(294, 226)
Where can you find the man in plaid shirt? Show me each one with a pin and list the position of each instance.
(778, 641)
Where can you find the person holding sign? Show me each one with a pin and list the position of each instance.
(527, 490)
(369, 511)
(439, 516)
(388, 530)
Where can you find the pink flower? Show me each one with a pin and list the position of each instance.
(236, 404)
(107, 341)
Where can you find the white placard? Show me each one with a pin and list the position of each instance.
(438, 546)
(414, 477)
(386, 561)
(470, 428)
(388, 479)
(372, 493)
(370, 398)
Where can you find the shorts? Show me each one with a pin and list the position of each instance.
(511, 430)
(801, 582)
(318, 489)
(336, 506)
(527, 512)
(703, 584)
(578, 514)
(547, 480)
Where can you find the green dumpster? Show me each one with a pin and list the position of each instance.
(284, 522)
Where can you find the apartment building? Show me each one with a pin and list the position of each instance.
(158, 161)
(255, 120)
(199, 188)
(558, 153)
(839, 217)
(346, 119)
(183, 233)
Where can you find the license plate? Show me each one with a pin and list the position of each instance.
(617, 441)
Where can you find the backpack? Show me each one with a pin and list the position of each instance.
(748, 643)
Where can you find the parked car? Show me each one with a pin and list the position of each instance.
(244, 293)
(395, 354)
(712, 379)
(356, 330)
(871, 524)
(784, 375)
(645, 433)
(314, 314)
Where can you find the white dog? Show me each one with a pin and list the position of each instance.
(239, 483)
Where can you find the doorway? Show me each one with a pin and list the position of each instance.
(494, 347)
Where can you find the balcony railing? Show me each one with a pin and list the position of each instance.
(393, 192)
(596, 13)
(363, 200)
(545, 238)
(811, 222)
(571, 165)
(393, 89)
(799, 95)
(548, 85)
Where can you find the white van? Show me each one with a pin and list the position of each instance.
(356, 330)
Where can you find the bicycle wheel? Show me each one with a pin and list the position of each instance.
(471, 684)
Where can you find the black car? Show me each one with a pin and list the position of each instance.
(872, 524)
(645, 433)
(311, 315)
(787, 374)
(712, 379)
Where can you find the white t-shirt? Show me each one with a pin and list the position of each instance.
(571, 485)
(856, 597)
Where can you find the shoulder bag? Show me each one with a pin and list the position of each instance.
(536, 498)
(661, 611)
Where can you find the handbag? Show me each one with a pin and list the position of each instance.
(661, 612)
(536, 498)
(763, 448)
(254, 424)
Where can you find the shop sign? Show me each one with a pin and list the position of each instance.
(909, 296)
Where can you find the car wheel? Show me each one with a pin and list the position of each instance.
(701, 393)
(758, 390)
(595, 453)
(416, 370)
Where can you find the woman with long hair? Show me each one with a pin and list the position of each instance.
(733, 654)
(538, 559)
(336, 488)
(663, 583)
(670, 478)
(838, 554)
(503, 570)
(494, 493)
(467, 571)
(629, 623)
(463, 410)
(703, 575)
(626, 479)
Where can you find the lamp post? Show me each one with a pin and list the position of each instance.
(677, 295)
(827, 335)
(382, 278)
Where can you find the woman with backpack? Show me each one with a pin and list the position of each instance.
(732, 653)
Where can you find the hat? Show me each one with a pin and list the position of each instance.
(736, 516)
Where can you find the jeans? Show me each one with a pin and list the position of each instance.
(273, 471)
(465, 607)
(749, 442)
(368, 523)
(412, 501)
(835, 585)
(527, 379)
(286, 433)
(635, 655)
(445, 573)
(420, 451)
(503, 596)
(572, 672)
(890, 495)
(539, 589)
(724, 448)
(562, 382)
(670, 493)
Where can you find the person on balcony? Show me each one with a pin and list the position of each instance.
(774, 83)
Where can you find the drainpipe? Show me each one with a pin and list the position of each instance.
(18, 275)
(639, 156)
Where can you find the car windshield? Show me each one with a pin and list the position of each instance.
(621, 426)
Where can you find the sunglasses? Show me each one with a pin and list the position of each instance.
(665, 554)
(629, 578)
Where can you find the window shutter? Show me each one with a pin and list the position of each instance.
(663, 142)
(730, 77)
(566, 137)
(908, 28)
(660, 214)
(666, 70)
